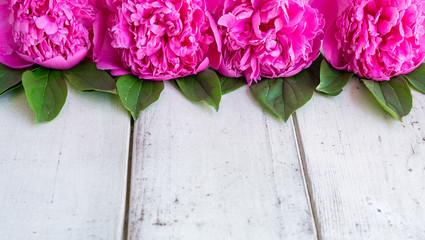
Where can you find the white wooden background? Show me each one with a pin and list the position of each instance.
(341, 168)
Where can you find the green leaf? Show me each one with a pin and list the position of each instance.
(417, 78)
(229, 84)
(138, 94)
(297, 91)
(394, 95)
(205, 86)
(174, 81)
(9, 78)
(269, 93)
(314, 69)
(11, 89)
(332, 81)
(86, 77)
(283, 96)
(46, 92)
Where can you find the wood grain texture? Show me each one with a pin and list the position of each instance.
(367, 169)
(200, 174)
(65, 179)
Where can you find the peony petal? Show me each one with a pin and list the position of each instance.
(100, 4)
(107, 58)
(227, 20)
(256, 24)
(47, 23)
(111, 4)
(51, 28)
(7, 45)
(330, 48)
(99, 27)
(154, 78)
(214, 51)
(223, 70)
(329, 9)
(202, 66)
(257, 4)
(211, 5)
(41, 22)
(117, 71)
(59, 62)
(14, 61)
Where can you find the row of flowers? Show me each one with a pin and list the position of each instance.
(269, 43)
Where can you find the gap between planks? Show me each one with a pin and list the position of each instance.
(309, 190)
(128, 187)
(303, 162)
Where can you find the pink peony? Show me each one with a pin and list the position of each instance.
(159, 39)
(52, 33)
(377, 39)
(274, 38)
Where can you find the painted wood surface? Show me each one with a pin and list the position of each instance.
(65, 179)
(201, 174)
(367, 170)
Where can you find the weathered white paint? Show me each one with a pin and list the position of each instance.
(201, 174)
(367, 170)
(65, 179)
(198, 174)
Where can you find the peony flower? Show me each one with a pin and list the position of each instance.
(274, 38)
(377, 39)
(159, 39)
(52, 33)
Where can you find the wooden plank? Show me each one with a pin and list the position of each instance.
(65, 179)
(201, 174)
(367, 170)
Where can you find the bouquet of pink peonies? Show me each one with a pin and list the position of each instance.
(209, 48)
